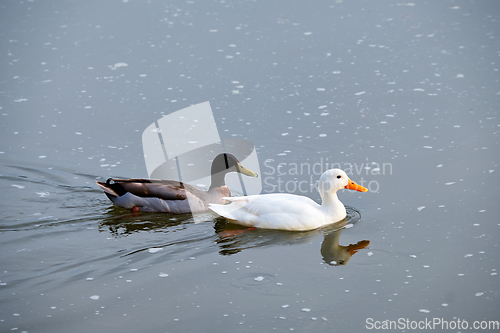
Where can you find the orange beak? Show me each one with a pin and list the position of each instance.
(353, 186)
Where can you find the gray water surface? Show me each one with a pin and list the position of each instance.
(403, 96)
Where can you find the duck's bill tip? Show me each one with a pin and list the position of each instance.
(241, 169)
(353, 186)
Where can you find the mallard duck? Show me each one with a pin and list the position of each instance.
(170, 196)
(288, 211)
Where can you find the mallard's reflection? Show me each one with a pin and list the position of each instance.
(121, 223)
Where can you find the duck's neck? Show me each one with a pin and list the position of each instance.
(331, 202)
(330, 199)
(218, 180)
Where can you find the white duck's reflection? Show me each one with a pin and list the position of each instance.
(233, 239)
(335, 254)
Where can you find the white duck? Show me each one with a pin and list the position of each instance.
(288, 211)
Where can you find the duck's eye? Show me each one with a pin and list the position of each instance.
(339, 176)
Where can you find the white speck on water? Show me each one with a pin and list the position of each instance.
(322, 107)
(476, 224)
(42, 156)
(360, 93)
(460, 274)
(259, 278)
(336, 72)
(163, 275)
(468, 255)
(420, 208)
(284, 134)
(369, 254)
(94, 297)
(279, 283)
(491, 171)
(224, 272)
(155, 249)
(482, 210)
(308, 33)
(118, 65)
(439, 166)
(322, 135)
(459, 76)
(89, 279)
(78, 133)
(418, 89)
(450, 183)
(426, 266)
(428, 147)
(18, 186)
(133, 269)
(320, 89)
(413, 256)
(306, 310)
(494, 273)
(479, 294)
(444, 304)
(285, 306)
(424, 310)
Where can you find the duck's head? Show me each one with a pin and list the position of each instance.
(225, 163)
(335, 179)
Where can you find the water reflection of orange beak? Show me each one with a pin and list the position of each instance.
(353, 248)
(353, 186)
